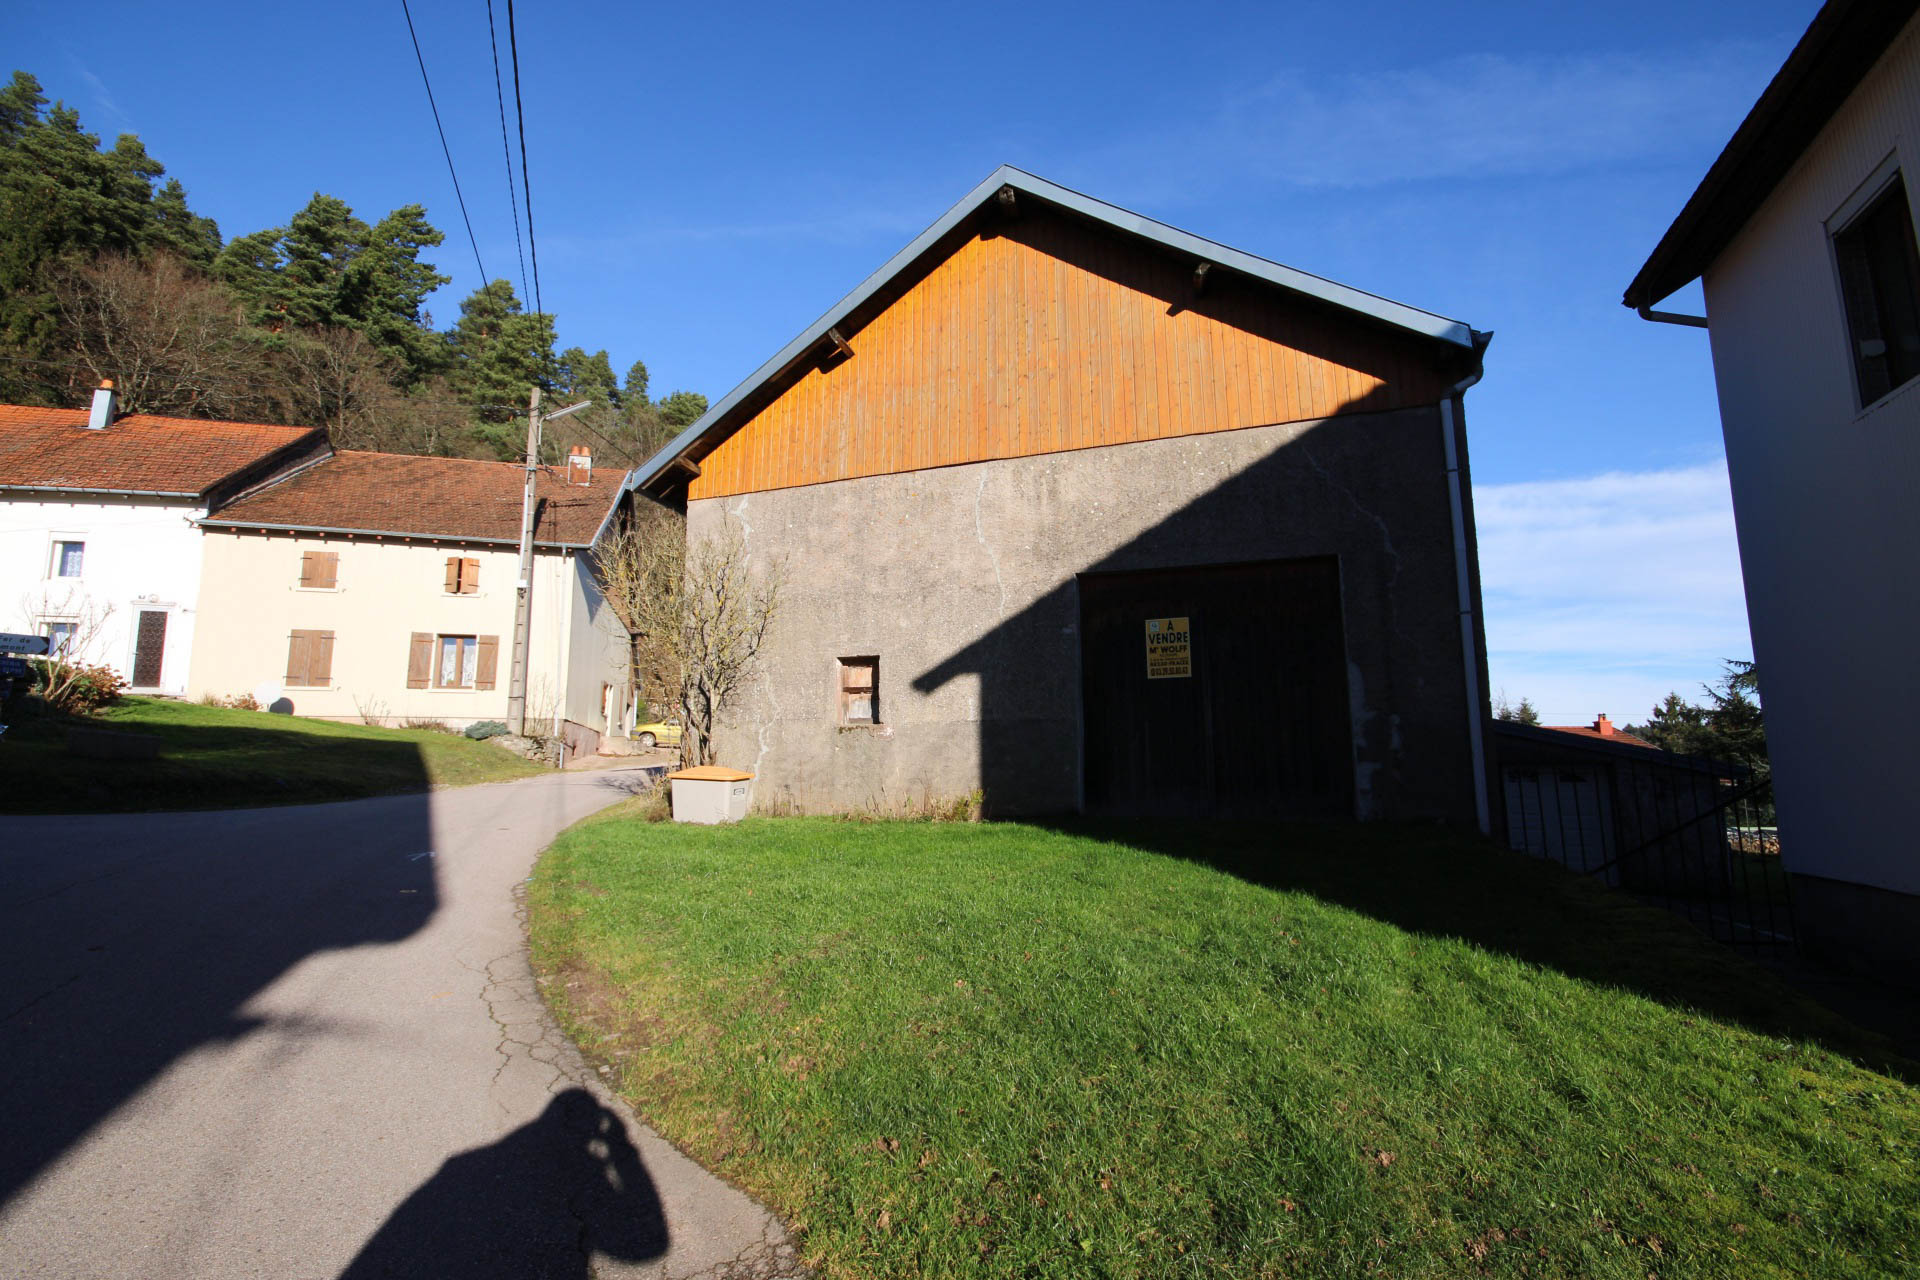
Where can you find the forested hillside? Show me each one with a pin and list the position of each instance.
(106, 272)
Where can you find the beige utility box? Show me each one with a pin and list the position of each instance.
(710, 793)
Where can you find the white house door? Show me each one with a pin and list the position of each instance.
(149, 649)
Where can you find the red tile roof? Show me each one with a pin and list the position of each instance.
(452, 498)
(137, 453)
(1620, 736)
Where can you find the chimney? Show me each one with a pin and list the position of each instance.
(1603, 726)
(104, 407)
(579, 465)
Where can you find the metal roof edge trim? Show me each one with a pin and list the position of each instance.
(1424, 323)
(194, 494)
(227, 522)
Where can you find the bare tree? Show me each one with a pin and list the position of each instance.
(172, 340)
(698, 616)
(67, 664)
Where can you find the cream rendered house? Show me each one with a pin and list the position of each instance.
(380, 587)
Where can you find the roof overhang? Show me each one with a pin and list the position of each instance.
(686, 448)
(1840, 47)
(180, 495)
(261, 526)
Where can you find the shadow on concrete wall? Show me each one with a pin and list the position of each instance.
(1367, 486)
(1368, 489)
(542, 1201)
(130, 941)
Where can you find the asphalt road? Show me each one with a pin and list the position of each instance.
(305, 1042)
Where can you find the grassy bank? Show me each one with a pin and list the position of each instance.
(1133, 1051)
(216, 758)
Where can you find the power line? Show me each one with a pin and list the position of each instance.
(520, 115)
(446, 150)
(506, 152)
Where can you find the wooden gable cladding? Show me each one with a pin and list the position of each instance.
(1042, 334)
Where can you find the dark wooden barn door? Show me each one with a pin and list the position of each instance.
(1250, 720)
(149, 649)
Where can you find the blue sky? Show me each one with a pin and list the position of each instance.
(708, 179)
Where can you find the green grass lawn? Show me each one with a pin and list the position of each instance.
(216, 758)
(1131, 1050)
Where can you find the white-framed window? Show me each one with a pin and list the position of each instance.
(1878, 265)
(61, 635)
(69, 558)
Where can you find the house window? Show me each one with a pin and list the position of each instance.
(463, 576)
(860, 690)
(310, 659)
(61, 636)
(1880, 285)
(458, 662)
(319, 570)
(451, 662)
(68, 558)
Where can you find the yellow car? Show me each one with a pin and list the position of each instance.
(661, 733)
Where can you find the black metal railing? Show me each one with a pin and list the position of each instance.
(1695, 836)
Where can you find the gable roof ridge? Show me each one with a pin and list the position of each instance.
(1423, 323)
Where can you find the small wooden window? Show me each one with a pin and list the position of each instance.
(319, 570)
(463, 576)
(310, 659)
(465, 662)
(860, 690)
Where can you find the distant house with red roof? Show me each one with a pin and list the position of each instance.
(227, 558)
(99, 547)
(1602, 730)
(380, 586)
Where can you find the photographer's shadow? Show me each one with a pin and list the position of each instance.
(538, 1203)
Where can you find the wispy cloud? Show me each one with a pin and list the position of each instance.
(1482, 116)
(102, 98)
(1605, 592)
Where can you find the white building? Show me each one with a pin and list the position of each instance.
(98, 543)
(381, 587)
(1802, 234)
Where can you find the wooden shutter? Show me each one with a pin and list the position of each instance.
(326, 568)
(320, 661)
(488, 662)
(420, 660)
(299, 656)
(469, 577)
(307, 575)
(453, 575)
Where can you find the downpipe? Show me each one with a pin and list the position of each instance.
(1469, 653)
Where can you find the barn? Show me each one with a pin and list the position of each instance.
(1084, 513)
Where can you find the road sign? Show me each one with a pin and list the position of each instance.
(11, 642)
(16, 667)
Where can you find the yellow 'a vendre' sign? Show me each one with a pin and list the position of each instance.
(1169, 649)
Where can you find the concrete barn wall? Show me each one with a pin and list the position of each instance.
(961, 579)
(141, 554)
(1823, 496)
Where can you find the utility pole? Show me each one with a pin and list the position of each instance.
(523, 591)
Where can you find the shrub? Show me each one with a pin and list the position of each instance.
(233, 702)
(481, 730)
(76, 688)
(430, 726)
